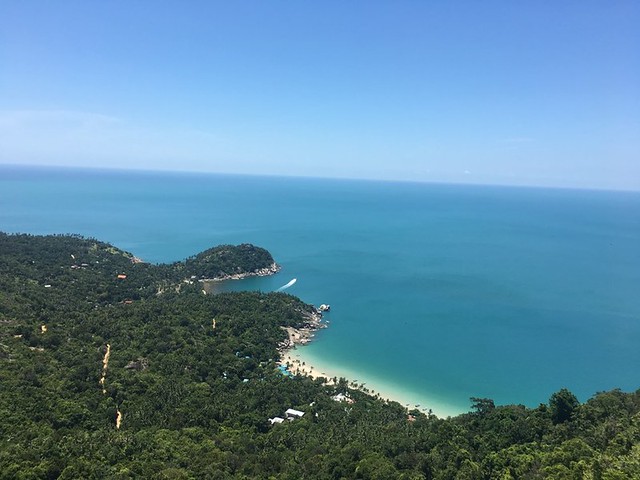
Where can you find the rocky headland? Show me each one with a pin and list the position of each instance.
(258, 272)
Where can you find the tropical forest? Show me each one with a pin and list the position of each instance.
(112, 368)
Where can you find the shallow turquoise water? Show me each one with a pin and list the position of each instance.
(444, 291)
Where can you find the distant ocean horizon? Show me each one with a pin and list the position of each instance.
(438, 292)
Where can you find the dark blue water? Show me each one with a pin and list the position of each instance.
(438, 292)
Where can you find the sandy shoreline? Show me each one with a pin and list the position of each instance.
(298, 363)
(291, 359)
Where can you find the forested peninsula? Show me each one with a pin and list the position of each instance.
(115, 368)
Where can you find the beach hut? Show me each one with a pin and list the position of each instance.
(293, 414)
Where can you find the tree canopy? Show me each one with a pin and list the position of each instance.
(111, 368)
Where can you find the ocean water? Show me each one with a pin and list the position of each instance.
(438, 292)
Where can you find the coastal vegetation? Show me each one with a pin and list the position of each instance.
(115, 368)
(226, 261)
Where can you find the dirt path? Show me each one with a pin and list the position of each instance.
(105, 365)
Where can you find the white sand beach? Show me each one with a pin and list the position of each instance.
(299, 362)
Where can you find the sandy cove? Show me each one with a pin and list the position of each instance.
(296, 366)
(293, 359)
(297, 363)
(300, 336)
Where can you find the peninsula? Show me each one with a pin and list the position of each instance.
(229, 262)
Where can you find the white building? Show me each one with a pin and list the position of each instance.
(291, 413)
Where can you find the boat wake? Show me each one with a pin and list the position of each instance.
(284, 287)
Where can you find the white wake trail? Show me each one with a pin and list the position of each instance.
(284, 287)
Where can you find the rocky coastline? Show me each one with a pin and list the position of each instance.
(303, 334)
(259, 272)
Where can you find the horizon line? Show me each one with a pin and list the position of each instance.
(314, 177)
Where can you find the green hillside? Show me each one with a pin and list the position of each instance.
(182, 396)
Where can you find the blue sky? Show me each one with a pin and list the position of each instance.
(522, 93)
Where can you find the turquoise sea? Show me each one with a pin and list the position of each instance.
(438, 292)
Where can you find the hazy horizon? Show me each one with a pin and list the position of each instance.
(492, 93)
(151, 171)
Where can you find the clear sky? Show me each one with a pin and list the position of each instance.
(534, 93)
